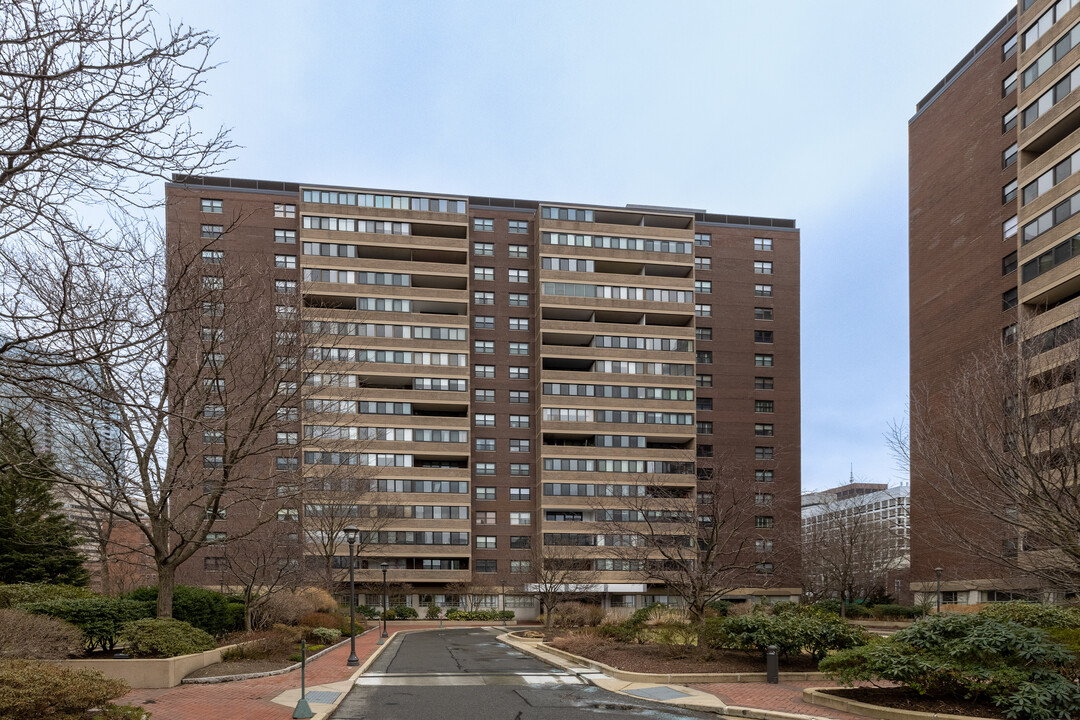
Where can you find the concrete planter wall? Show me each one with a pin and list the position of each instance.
(152, 672)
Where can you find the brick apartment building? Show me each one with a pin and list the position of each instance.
(497, 372)
(993, 239)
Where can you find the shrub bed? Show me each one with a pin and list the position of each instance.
(205, 609)
(164, 637)
(99, 618)
(481, 615)
(21, 593)
(32, 689)
(37, 637)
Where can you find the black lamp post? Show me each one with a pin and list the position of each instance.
(384, 567)
(350, 536)
(938, 571)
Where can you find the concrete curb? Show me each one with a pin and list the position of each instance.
(269, 673)
(544, 654)
(820, 696)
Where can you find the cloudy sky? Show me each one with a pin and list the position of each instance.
(788, 108)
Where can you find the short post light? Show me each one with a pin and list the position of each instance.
(384, 566)
(350, 536)
(938, 571)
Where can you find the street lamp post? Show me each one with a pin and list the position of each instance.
(384, 566)
(350, 536)
(938, 571)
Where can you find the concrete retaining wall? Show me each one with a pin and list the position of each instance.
(152, 672)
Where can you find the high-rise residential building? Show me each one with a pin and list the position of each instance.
(497, 374)
(993, 244)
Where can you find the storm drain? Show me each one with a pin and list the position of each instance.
(657, 693)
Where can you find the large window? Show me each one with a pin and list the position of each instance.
(483, 224)
(209, 205)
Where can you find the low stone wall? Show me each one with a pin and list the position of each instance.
(152, 672)
(822, 698)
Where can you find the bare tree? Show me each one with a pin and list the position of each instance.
(999, 452)
(848, 552)
(261, 564)
(699, 544)
(556, 575)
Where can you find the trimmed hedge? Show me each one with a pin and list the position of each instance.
(99, 618)
(793, 632)
(43, 691)
(1031, 614)
(164, 637)
(482, 615)
(205, 609)
(904, 612)
(22, 593)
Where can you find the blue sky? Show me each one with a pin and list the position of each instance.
(788, 108)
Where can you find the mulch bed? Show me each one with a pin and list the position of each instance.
(904, 699)
(655, 659)
(240, 667)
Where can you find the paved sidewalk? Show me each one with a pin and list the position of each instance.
(269, 698)
(784, 697)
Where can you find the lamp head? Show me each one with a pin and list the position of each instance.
(939, 570)
(350, 534)
(384, 566)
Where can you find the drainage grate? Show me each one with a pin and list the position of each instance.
(657, 693)
(326, 697)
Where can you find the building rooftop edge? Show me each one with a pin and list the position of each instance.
(702, 216)
(964, 63)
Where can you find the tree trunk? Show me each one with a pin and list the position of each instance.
(166, 585)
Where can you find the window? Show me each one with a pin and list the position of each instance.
(484, 322)
(485, 542)
(212, 232)
(1008, 193)
(1009, 299)
(483, 273)
(764, 568)
(763, 336)
(212, 257)
(519, 251)
(288, 515)
(763, 290)
(486, 566)
(212, 334)
(1008, 228)
(285, 287)
(703, 380)
(519, 446)
(520, 470)
(519, 372)
(213, 437)
(519, 348)
(483, 224)
(286, 464)
(285, 262)
(1008, 157)
(483, 298)
(761, 313)
(1009, 48)
(1009, 83)
(1008, 263)
(703, 286)
(286, 388)
(518, 227)
(484, 347)
(519, 396)
(1008, 335)
(704, 403)
(519, 276)
(520, 542)
(211, 206)
(521, 518)
(285, 236)
(763, 521)
(520, 494)
(520, 566)
(288, 438)
(215, 563)
(703, 333)
(519, 300)
(287, 413)
(704, 428)
(212, 282)
(519, 421)
(485, 493)
(763, 499)
(519, 323)
(485, 444)
(703, 310)
(284, 210)
(763, 452)
(485, 517)
(1008, 120)
(763, 429)
(485, 468)
(703, 357)
(484, 420)
(483, 248)
(702, 240)
(484, 396)
(763, 383)
(704, 451)
(763, 360)
(213, 461)
(763, 406)
(763, 244)
(484, 371)
(762, 268)
(702, 263)
(213, 309)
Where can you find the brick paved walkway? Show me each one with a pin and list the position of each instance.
(784, 697)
